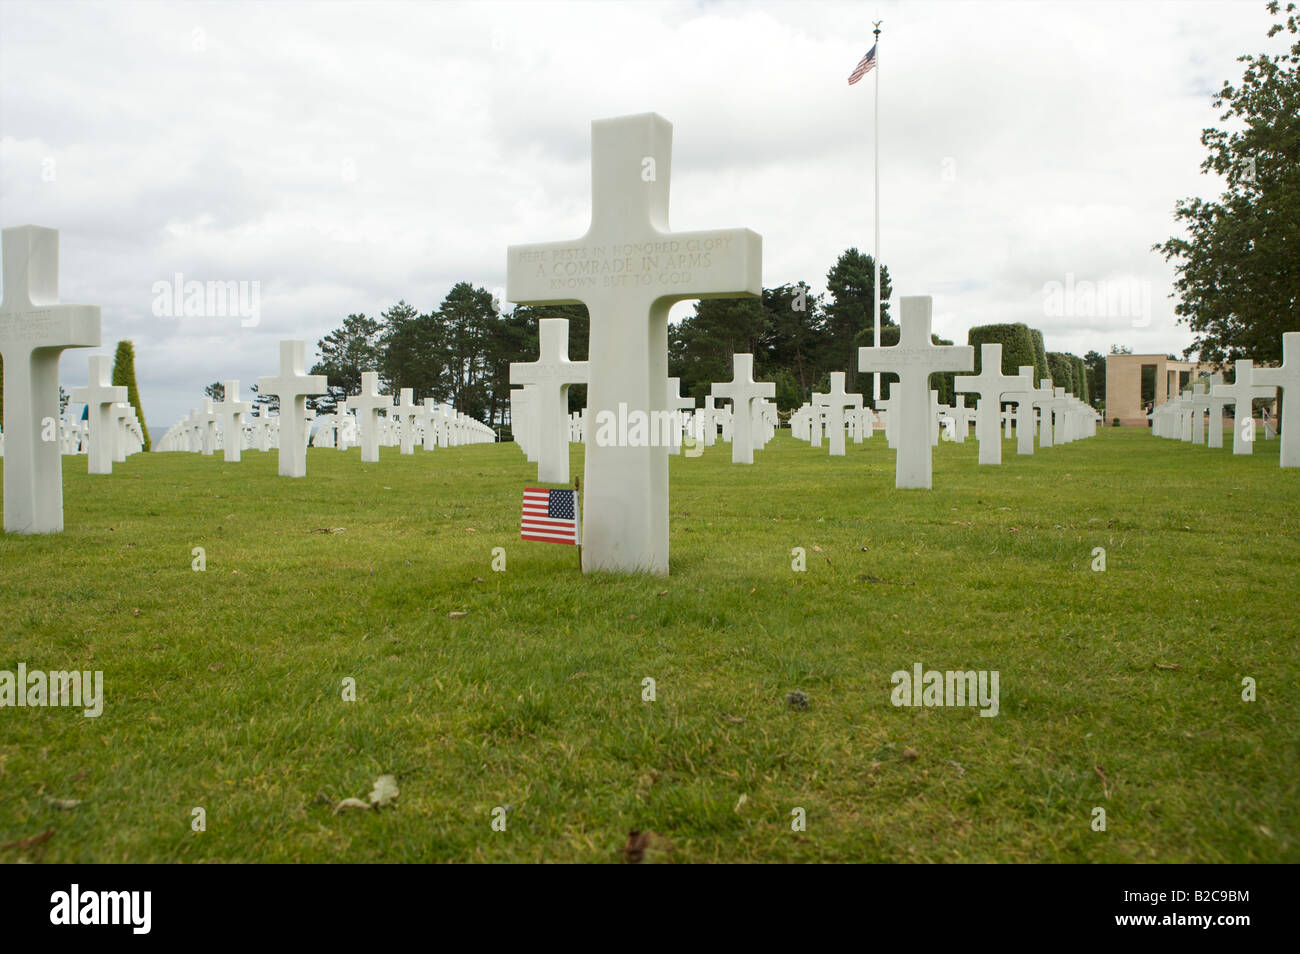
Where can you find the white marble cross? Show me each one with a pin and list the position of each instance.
(742, 390)
(1198, 402)
(1024, 397)
(292, 386)
(34, 330)
(233, 413)
(914, 359)
(1240, 394)
(208, 419)
(366, 406)
(99, 396)
(428, 416)
(677, 403)
(628, 269)
(407, 412)
(550, 377)
(122, 415)
(835, 402)
(1287, 377)
(990, 384)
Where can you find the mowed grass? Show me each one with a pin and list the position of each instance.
(1119, 689)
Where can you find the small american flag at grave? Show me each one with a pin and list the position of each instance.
(550, 516)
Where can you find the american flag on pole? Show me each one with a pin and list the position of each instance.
(550, 516)
(864, 66)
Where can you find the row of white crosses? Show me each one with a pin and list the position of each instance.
(1184, 417)
(114, 429)
(543, 428)
(837, 411)
(913, 412)
(228, 424)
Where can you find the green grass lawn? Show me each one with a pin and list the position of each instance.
(1119, 689)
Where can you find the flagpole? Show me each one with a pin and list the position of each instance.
(875, 295)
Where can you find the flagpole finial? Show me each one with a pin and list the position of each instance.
(876, 24)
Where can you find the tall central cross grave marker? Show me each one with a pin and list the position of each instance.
(914, 359)
(291, 386)
(628, 269)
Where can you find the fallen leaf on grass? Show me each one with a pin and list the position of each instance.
(740, 803)
(23, 844)
(662, 593)
(1173, 666)
(457, 614)
(63, 804)
(384, 791)
(478, 579)
(470, 530)
(911, 755)
(328, 530)
(734, 720)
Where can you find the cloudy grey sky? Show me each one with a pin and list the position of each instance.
(348, 155)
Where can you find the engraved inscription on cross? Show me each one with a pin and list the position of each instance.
(628, 269)
(914, 359)
(34, 330)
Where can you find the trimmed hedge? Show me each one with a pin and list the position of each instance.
(1017, 345)
(124, 376)
(1062, 370)
(1041, 367)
